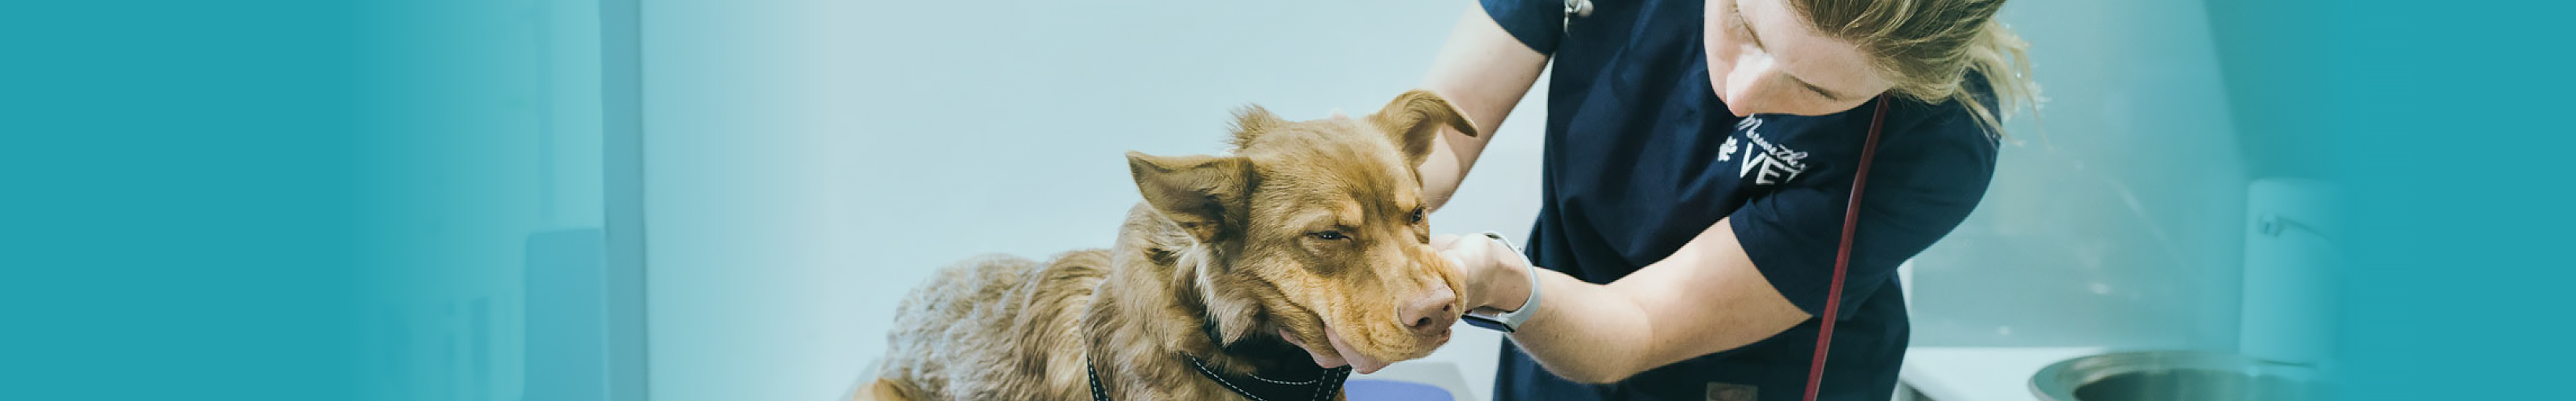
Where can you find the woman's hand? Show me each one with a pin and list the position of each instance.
(1497, 279)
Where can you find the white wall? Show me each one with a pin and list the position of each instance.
(809, 161)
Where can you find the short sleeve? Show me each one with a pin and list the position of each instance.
(1537, 23)
(1919, 189)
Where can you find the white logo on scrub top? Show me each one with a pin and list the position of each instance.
(1775, 163)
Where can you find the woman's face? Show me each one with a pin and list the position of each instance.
(1765, 58)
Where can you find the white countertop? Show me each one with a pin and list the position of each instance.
(1980, 373)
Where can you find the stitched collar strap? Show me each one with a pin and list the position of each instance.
(1097, 393)
(1314, 385)
(1321, 384)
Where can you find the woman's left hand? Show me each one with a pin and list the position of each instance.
(1497, 280)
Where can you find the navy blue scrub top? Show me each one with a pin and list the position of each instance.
(1641, 156)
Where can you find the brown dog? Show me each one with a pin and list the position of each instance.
(1304, 249)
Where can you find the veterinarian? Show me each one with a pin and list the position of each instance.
(1700, 158)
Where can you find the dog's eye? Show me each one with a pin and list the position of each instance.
(1417, 216)
(1329, 235)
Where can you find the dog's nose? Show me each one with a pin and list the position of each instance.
(1432, 312)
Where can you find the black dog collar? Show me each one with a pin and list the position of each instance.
(1307, 381)
(1318, 384)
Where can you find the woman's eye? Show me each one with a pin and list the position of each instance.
(1329, 235)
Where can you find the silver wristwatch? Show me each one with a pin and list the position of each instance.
(1510, 321)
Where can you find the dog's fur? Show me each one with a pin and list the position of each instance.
(1226, 255)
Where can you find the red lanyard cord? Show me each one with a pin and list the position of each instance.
(1842, 256)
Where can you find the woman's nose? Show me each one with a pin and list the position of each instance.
(1745, 82)
(1741, 108)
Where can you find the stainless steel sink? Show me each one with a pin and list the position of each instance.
(2174, 376)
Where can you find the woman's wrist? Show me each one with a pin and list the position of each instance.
(1508, 281)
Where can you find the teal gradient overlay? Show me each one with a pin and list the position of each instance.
(486, 269)
(294, 200)
(2447, 121)
(181, 200)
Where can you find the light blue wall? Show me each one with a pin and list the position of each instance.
(2116, 219)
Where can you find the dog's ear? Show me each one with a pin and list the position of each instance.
(1414, 119)
(1205, 195)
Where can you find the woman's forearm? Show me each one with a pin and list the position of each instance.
(1586, 332)
(1441, 173)
(1704, 298)
(1483, 71)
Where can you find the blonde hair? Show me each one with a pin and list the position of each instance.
(1927, 47)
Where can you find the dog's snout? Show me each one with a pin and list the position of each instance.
(1433, 312)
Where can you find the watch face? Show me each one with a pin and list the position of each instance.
(1486, 322)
